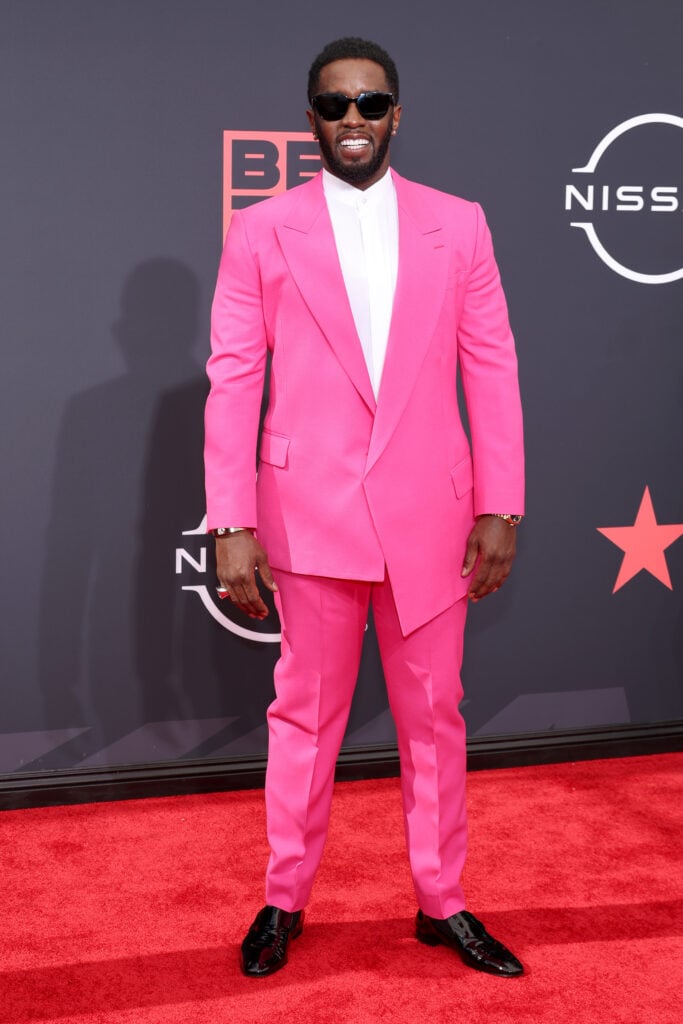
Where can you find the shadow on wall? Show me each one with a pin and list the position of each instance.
(132, 669)
(120, 646)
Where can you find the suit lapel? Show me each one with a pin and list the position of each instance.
(422, 276)
(308, 246)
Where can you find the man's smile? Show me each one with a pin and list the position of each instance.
(354, 143)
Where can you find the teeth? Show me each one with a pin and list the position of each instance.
(354, 143)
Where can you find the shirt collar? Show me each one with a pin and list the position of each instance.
(340, 191)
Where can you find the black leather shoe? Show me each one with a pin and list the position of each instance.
(264, 949)
(468, 937)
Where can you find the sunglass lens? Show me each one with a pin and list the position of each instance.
(331, 106)
(374, 105)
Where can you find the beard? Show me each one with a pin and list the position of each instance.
(355, 173)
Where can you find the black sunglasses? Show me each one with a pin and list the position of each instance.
(372, 106)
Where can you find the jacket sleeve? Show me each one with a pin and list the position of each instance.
(236, 371)
(488, 365)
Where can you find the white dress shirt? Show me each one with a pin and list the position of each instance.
(365, 225)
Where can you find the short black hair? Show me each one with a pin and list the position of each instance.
(353, 48)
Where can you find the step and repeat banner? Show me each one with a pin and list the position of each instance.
(131, 132)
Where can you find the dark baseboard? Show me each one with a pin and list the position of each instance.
(175, 778)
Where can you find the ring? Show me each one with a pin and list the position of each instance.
(222, 593)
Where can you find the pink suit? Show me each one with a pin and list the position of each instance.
(350, 489)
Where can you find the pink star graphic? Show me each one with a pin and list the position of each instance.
(643, 544)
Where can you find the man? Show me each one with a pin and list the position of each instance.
(368, 290)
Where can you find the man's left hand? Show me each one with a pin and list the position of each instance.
(491, 547)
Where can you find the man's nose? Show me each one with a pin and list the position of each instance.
(353, 115)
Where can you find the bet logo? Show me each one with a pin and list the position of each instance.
(257, 165)
(628, 199)
(191, 565)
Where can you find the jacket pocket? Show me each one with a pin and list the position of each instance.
(274, 448)
(461, 475)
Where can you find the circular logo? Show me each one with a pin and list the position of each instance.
(621, 184)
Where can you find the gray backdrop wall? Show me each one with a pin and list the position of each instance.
(114, 114)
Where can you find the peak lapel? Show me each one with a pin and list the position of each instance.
(422, 276)
(309, 248)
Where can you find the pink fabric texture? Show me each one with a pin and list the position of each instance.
(323, 622)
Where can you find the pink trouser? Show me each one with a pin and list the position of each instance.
(323, 622)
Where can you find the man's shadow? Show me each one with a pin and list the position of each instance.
(127, 658)
(114, 647)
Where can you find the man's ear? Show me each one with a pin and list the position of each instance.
(310, 116)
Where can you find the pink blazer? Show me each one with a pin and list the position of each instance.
(348, 486)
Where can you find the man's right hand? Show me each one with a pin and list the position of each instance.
(238, 557)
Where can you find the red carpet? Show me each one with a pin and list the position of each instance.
(133, 911)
